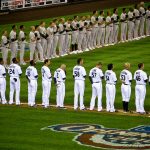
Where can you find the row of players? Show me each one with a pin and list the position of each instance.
(79, 74)
(77, 35)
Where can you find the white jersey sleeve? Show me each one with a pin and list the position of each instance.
(2, 71)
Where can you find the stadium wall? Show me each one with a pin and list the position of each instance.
(61, 10)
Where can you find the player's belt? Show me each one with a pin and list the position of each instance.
(140, 84)
(97, 82)
(125, 84)
(110, 83)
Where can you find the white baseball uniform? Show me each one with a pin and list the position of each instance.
(55, 40)
(96, 75)
(5, 44)
(32, 74)
(32, 44)
(140, 90)
(79, 74)
(126, 77)
(14, 72)
(46, 84)
(13, 44)
(111, 79)
(60, 77)
(3, 84)
(137, 23)
(148, 22)
(22, 45)
(130, 25)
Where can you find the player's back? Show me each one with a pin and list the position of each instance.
(14, 70)
(140, 76)
(31, 72)
(126, 76)
(46, 74)
(110, 77)
(59, 75)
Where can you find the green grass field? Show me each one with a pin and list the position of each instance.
(20, 126)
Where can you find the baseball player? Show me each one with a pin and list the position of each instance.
(130, 24)
(101, 33)
(32, 44)
(2, 82)
(140, 89)
(109, 29)
(46, 83)
(39, 48)
(59, 80)
(148, 21)
(14, 73)
(79, 75)
(75, 32)
(42, 31)
(123, 20)
(5, 45)
(115, 25)
(96, 75)
(13, 42)
(142, 19)
(137, 22)
(50, 32)
(111, 80)
(32, 76)
(22, 41)
(62, 35)
(94, 21)
(126, 79)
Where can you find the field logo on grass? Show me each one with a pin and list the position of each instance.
(107, 138)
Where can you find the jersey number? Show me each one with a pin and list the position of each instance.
(138, 78)
(28, 73)
(76, 74)
(43, 71)
(107, 78)
(11, 71)
(123, 77)
(93, 74)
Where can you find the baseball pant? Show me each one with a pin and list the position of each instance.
(74, 37)
(126, 92)
(148, 26)
(142, 23)
(79, 87)
(32, 50)
(115, 33)
(94, 36)
(44, 46)
(136, 28)
(14, 86)
(5, 54)
(107, 34)
(22, 48)
(14, 48)
(140, 92)
(46, 93)
(39, 50)
(80, 40)
(130, 30)
(50, 47)
(110, 97)
(67, 42)
(3, 90)
(88, 39)
(60, 94)
(101, 36)
(123, 31)
(62, 44)
(96, 92)
(55, 42)
(32, 89)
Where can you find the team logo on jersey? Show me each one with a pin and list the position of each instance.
(107, 138)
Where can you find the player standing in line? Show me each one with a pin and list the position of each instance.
(142, 19)
(22, 41)
(14, 73)
(13, 42)
(109, 29)
(46, 83)
(32, 76)
(96, 75)
(111, 80)
(123, 20)
(140, 89)
(5, 45)
(38, 48)
(42, 31)
(94, 20)
(75, 32)
(148, 21)
(79, 75)
(59, 80)
(101, 34)
(115, 25)
(32, 44)
(2, 82)
(126, 78)
(130, 24)
(50, 32)
(137, 22)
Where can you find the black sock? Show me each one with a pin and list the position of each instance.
(127, 106)
(124, 106)
(76, 46)
(72, 47)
